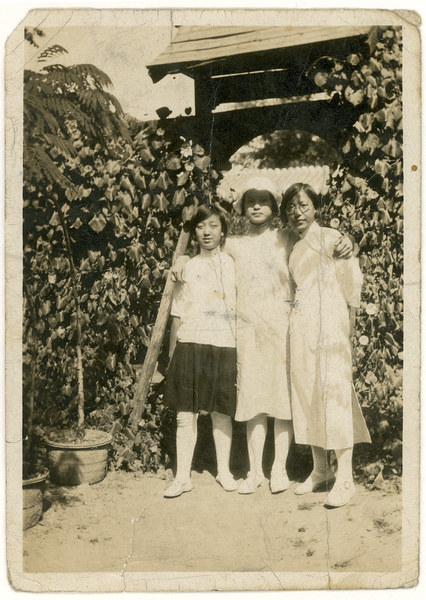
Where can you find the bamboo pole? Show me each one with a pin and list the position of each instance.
(154, 348)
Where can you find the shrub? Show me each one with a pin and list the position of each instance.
(366, 200)
(101, 220)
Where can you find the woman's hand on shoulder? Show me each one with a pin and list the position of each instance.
(178, 268)
(344, 247)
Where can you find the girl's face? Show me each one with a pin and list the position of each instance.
(300, 213)
(208, 233)
(258, 206)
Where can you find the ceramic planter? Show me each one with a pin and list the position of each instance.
(78, 462)
(32, 500)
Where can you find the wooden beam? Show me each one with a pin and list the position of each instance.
(261, 85)
(155, 344)
(232, 106)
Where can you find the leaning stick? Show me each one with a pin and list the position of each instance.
(154, 347)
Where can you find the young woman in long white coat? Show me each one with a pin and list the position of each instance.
(326, 413)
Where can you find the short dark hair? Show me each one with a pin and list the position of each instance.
(204, 212)
(294, 191)
(271, 196)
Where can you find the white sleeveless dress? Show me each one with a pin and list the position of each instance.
(263, 309)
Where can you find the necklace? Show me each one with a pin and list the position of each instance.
(218, 275)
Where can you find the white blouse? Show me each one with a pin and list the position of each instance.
(205, 302)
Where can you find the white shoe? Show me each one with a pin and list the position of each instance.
(177, 489)
(251, 484)
(279, 482)
(227, 482)
(314, 481)
(340, 494)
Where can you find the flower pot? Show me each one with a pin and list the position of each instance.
(32, 499)
(81, 461)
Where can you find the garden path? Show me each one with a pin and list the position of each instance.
(124, 524)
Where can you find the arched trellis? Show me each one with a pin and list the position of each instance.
(228, 132)
(222, 134)
(253, 80)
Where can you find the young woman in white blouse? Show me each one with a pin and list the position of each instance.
(202, 372)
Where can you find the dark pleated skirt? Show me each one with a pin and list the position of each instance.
(202, 377)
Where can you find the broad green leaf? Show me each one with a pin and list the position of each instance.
(97, 223)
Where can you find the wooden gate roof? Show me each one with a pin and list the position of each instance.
(196, 47)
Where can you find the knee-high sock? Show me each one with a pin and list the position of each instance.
(283, 434)
(344, 465)
(186, 437)
(256, 436)
(222, 435)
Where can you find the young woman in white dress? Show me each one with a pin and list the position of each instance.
(326, 413)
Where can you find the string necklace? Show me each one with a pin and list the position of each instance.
(219, 281)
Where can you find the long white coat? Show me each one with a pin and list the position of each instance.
(326, 412)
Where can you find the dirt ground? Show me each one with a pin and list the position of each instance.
(123, 524)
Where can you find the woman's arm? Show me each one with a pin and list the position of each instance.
(173, 335)
(178, 268)
(350, 279)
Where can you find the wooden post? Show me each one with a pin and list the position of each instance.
(154, 348)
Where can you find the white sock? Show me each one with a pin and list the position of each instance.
(256, 436)
(320, 460)
(283, 434)
(186, 437)
(222, 435)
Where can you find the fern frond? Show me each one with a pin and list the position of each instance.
(116, 104)
(85, 98)
(51, 51)
(49, 169)
(54, 67)
(40, 111)
(100, 79)
(30, 33)
(61, 144)
(86, 123)
(124, 130)
(59, 105)
(62, 75)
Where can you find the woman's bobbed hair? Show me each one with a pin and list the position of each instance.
(205, 211)
(294, 191)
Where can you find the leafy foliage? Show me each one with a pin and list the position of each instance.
(366, 200)
(102, 212)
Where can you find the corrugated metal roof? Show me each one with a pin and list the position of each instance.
(193, 46)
